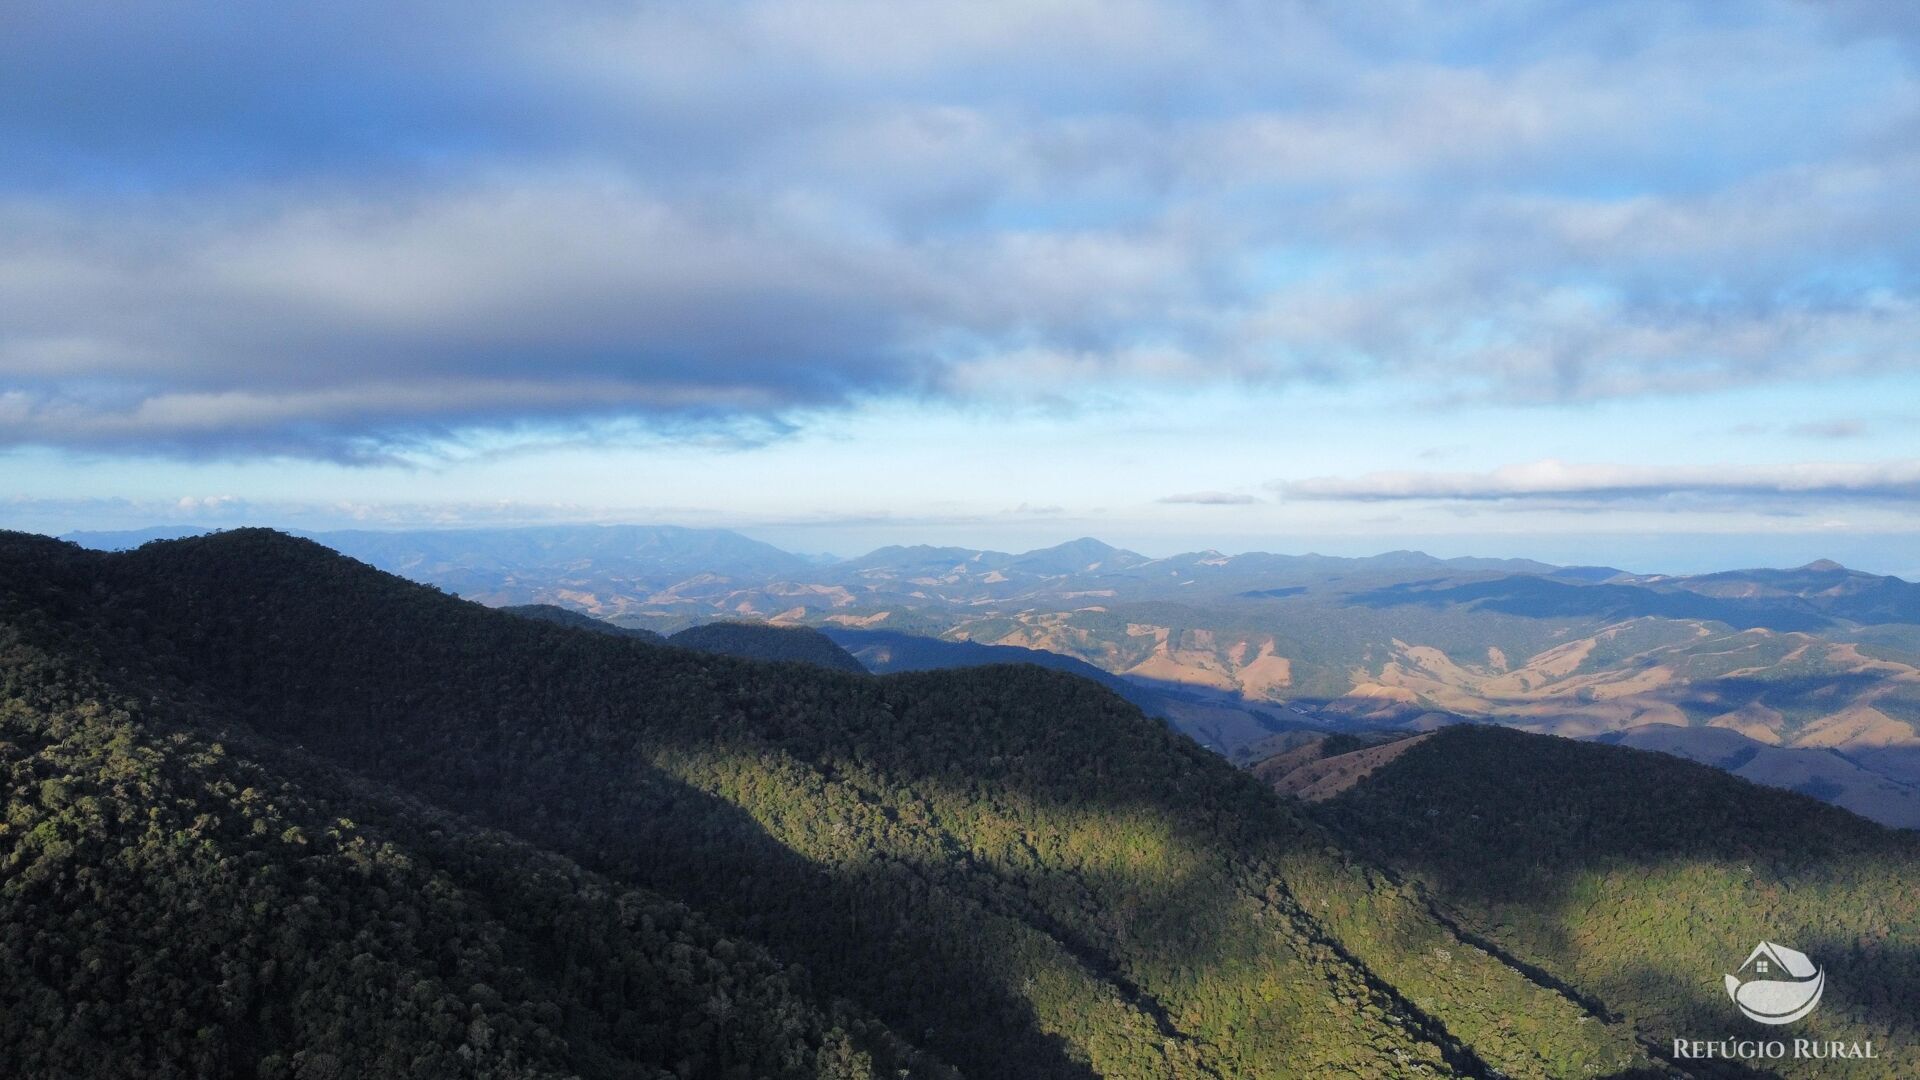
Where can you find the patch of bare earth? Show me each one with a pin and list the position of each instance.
(1322, 779)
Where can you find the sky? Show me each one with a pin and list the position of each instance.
(1633, 283)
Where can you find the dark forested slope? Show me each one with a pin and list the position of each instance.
(889, 651)
(384, 831)
(1639, 879)
(758, 641)
(578, 620)
(170, 908)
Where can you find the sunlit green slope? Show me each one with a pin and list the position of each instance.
(1640, 880)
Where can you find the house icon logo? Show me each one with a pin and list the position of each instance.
(1777, 985)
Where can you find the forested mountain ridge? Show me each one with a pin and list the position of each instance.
(171, 908)
(751, 641)
(758, 641)
(1207, 721)
(1011, 869)
(568, 617)
(1638, 879)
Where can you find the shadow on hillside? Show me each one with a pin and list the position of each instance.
(946, 981)
(1676, 986)
(1222, 720)
(853, 925)
(946, 947)
(1901, 763)
(1709, 1018)
(1638, 878)
(1800, 699)
(1545, 598)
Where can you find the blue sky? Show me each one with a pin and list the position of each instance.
(1623, 282)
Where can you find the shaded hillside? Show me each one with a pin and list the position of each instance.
(1216, 721)
(1826, 775)
(757, 641)
(1638, 878)
(884, 652)
(1807, 598)
(560, 616)
(181, 900)
(1011, 868)
(1553, 598)
(1316, 766)
(1823, 586)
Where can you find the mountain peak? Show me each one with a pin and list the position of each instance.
(1078, 556)
(1824, 566)
(256, 538)
(1400, 558)
(1084, 544)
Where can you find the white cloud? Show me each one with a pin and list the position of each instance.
(1562, 481)
(671, 213)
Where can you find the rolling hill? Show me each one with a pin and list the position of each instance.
(757, 641)
(1209, 722)
(333, 823)
(1822, 773)
(885, 652)
(1636, 880)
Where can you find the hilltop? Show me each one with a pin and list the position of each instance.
(1636, 879)
(755, 641)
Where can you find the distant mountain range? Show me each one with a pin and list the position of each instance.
(1235, 649)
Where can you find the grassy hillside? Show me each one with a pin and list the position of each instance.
(1638, 879)
(1005, 871)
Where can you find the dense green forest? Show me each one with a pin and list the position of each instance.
(274, 813)
(751, 641)
(169, 907)
(1638, 879)
(759, 641)
(1006, 872)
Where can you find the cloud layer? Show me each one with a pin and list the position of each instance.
(1558, 481)
(1209, 498)
(350, 230)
